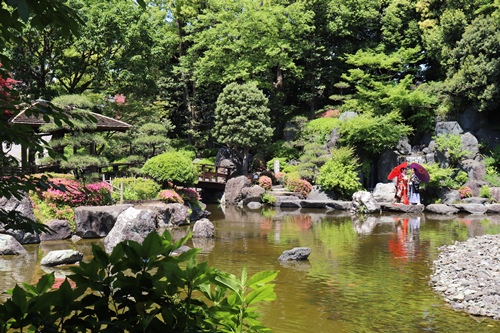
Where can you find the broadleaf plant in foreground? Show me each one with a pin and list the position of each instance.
(141, 288)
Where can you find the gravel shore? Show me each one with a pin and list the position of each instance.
(467, 275)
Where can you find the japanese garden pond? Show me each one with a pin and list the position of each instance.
(368, 275)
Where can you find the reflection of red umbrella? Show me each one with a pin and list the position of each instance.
(421, 172)
(397, 170)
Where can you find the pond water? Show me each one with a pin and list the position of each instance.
(369, 275)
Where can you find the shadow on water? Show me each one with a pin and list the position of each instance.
(364, 274)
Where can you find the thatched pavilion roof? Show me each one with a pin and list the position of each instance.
(103, 123)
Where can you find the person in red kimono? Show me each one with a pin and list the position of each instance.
(401, 195)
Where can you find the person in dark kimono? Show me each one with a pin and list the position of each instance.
(414, 187)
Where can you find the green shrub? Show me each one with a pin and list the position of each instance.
(319, 130)
(372, 134)
(267, 198)
(444, 177)
(173, 166)
(135, 188)
(141, 288)
(491, 163)
(290, 169)
(451, 145)
(485, 192)
(340, 173)
(461, 178)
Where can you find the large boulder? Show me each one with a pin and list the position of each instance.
(387, 161)
(364, 202)
(251, 194)
(203, 229)
(168, 215)
(403, 147)
(317, 193)
(10, 245)
(234, 186)
(97, 221)
(198, 213)
(441, 209)
(61, 257)
(132, 224)
(470, 145)
(475, 169)
(448, 128)
(489, 137)
(495, 193)
(61, 230)
(384, 192)
(297, 253)
(471, 208)
(24, 207)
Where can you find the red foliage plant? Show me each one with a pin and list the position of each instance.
(5, 88)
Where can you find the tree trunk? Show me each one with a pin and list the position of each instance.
(185, 82)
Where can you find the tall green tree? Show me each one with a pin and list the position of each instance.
(118, 50)
(473, 77)
(242, 119)
(261, 41)
(387, 83)
(15, 15)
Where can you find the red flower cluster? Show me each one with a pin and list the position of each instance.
(5, 87)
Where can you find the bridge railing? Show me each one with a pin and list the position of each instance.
(214, 173)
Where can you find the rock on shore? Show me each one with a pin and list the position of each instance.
(467, 274)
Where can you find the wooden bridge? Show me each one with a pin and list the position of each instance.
(213, 177)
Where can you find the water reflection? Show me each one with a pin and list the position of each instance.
(364, 274)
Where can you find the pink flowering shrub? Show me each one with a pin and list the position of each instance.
(280, 177)
(299, 185)
(266, 183)
(63, 194)
(465, 192)
(98, 194)
(170, 196)
(190, 195)
(73, 193)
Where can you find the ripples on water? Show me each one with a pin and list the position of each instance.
(363, 275)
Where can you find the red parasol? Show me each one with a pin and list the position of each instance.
(397, 170)
(421, 172)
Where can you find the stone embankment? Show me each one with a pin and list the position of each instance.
(467, 275)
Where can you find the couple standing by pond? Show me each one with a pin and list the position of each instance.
(408, 187)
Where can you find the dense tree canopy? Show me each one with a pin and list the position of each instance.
(405, 61)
